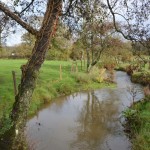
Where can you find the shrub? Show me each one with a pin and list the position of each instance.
(97, 74)
(140, 77)
(64, 87)
(82, 78)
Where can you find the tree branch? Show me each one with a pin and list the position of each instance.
(12, 15)
(27, 7)
(128, 37)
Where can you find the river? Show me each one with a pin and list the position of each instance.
(86, 120)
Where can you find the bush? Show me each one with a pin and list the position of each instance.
(109, 64)
(64, 88)
(141, 78)
(97, 74)
(82, 78)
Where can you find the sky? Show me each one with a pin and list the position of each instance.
(13, 39)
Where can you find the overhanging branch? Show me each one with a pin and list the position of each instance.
(27, 7)
(128, 37)
(13, 16)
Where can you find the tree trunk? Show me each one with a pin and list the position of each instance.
(0, 38)
(88, 59)
(149, 65)
(30, 72)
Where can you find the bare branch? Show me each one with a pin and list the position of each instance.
(27, 7)
(128, 37)
(18, 19)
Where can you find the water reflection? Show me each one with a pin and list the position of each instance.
(96, 120)
(87, 120)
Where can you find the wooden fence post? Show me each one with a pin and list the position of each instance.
(81, 64)
(84, 62)
(72, 67)
(14, 82)
(60, 71)
(76, 67)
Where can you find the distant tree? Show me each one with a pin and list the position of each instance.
(140, 52)
(118, 50)
(96, 41)
(3, 22)
(94, 30)
(77, 50)
(61, 44)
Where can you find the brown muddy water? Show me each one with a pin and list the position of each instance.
(85, 120)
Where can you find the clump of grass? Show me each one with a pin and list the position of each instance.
(82, 78)
(97, 74)
(65, 87)
(5, 123)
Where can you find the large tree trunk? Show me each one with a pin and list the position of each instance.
(30, 73)
(0, 38)
(149, 64)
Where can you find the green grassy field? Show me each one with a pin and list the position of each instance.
(48, 85)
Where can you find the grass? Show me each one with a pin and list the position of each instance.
(138, 122)
(48, 85)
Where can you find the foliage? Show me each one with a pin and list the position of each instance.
(65, 88)
(82, 78)
(77, 50)
(136, 26)
(97, 74)
(130, 113)
(141, 77)
(60, 45)
(108, 62)
(5, 123)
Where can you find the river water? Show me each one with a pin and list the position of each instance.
(85, 120)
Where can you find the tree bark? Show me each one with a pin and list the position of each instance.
(0, 38)
(29, 74)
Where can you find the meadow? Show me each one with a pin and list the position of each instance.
(49, 84)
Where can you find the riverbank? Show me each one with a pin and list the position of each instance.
(138, 74)
(50, 84)
(138, 115)
(138, 124)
